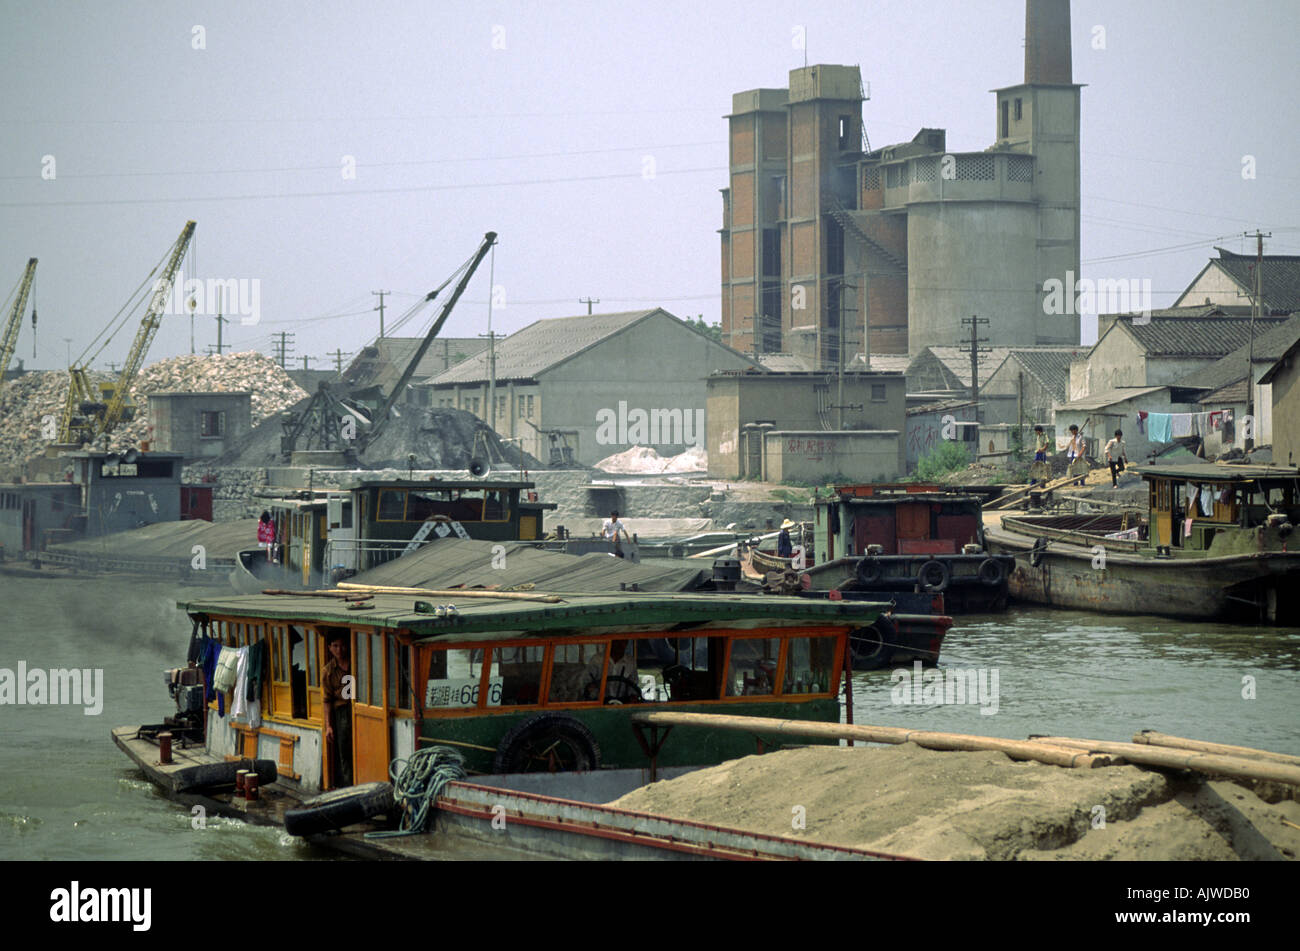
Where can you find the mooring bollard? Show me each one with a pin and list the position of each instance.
(250, 786)
(241, 784)
(165, 748)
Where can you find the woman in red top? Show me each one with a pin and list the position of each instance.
(266, 534)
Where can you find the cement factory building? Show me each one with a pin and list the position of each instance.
(905, 240)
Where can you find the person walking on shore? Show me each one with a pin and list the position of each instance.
(1116, 457)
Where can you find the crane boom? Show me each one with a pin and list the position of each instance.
(97, 419)
(381, 417)
(14, 322)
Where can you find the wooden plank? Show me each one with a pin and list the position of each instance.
(1002, 500)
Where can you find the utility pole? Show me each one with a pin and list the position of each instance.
(380, 308)
(338, 359)
(1256, 307)
(975, 351)
(220, 320)
(305, 358)
(282, 350)
(588, 301)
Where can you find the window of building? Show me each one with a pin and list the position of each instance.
(530, 408)
(1019, 109)
(845, 125)
(1006, 118)
(212, 425)
(878, 392)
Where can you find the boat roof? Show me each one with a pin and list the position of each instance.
(1214, 472)
(489, 618)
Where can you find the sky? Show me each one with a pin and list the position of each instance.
(335, 149)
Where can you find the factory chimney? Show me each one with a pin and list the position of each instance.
(1047, 42)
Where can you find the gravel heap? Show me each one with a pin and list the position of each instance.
(644, 459)
(27, 400)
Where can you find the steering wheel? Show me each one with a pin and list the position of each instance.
(628, 690)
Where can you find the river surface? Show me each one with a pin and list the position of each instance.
(66, 792)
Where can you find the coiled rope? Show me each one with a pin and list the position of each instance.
(419, 781)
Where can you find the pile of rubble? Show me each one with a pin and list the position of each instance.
(645, 460)
(272, 388)
(32, 405)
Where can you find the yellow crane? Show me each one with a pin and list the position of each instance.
(86, 418)
(14, 322)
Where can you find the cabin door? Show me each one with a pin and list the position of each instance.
(370, 746)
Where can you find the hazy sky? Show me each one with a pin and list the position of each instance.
(542, 121)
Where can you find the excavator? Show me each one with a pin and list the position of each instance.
(13, 323)
(349, 423)
(89, 416)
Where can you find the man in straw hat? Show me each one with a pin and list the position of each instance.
(785, 547)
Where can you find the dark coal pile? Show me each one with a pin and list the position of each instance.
(439, 438)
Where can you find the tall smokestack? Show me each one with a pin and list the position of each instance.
(1047, 42)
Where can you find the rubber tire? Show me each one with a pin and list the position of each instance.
(878, 643)
(212, 777)
(992, 572)
(338, 808)
(512, 754)
(945, 575)
(1036, 553)
(869, 571)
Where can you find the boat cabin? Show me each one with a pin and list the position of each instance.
(1221, 509)
(902, 518)
(518, 682)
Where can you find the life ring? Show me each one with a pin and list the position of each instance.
(1036, 553)
(339, 808)
(873, 647)
(547, 742)
(992, 572)
(869, 571)
(934, 575)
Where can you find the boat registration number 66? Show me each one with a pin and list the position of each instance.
(462, 692)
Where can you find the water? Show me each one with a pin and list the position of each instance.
(66, 792)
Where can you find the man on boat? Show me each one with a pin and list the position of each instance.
(1116, 457)
(1040, 452)
(1074, 450)
(266, 535)
(336, 693)
(613, 531)
(784, 546)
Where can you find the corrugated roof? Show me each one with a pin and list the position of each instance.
(1106, 398)
(499, 617)
(956, 361)
(543, 344)
(384, 360)
(1050, 366)
(1193, 336)
(1281, 273)
(1271, 342)
(172, 540)
(457, 562)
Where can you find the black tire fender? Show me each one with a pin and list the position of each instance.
(934, 575)
(338, 808)
(526, 740)
(869, 570)
(1036, 553)
(992, 572)
(211, 777)
(873, 646)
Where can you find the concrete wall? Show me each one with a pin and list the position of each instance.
(820, 456)
(176, 421)
(967, 258)
(1285, 398)
(656, 366)
(926, 430)
(790, 401)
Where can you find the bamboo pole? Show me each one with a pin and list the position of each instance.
(1016, 749)
(1147, 755)
(725, 548)
(457, 593)
(1153, 738)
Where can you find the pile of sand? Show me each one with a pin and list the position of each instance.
(645, 460)
(938, 805)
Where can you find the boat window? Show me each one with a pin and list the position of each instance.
(676, 668)
(454, 679)
(518, 669)
(376, 668)
(361, 668)
(494, 506)
(399, 674)
(809, 665)
(573, 668)
(392, 505)
(461, 505)
(313, 666)
(751, 671)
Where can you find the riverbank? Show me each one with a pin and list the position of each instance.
(980, 806)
